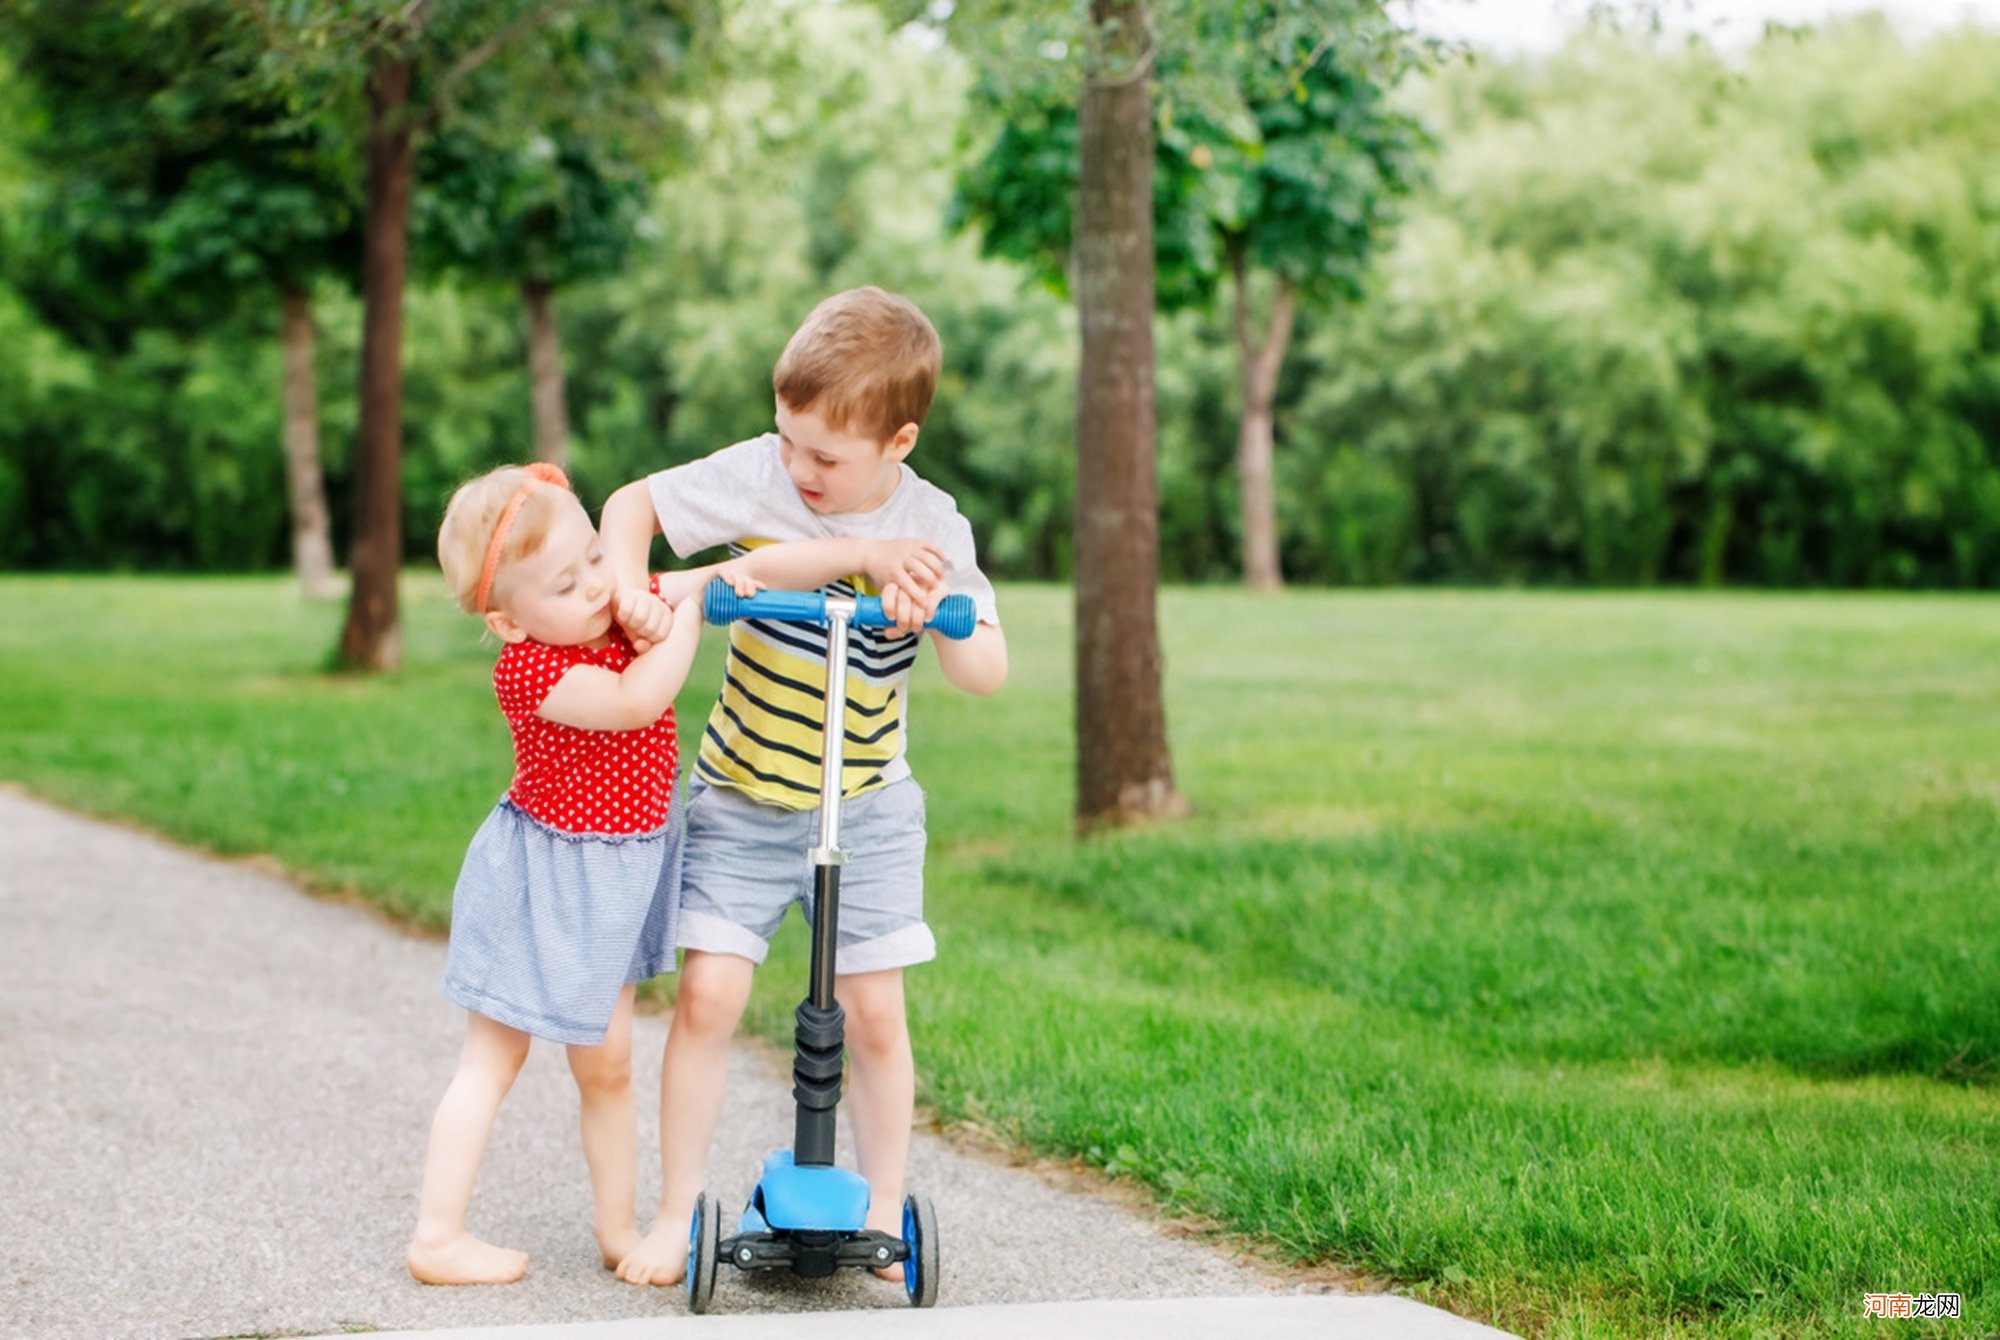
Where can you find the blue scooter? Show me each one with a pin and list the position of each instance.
(806, 1214)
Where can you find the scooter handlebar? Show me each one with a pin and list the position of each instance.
(956, 615)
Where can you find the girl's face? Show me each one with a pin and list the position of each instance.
(839, 472)
(560, 594)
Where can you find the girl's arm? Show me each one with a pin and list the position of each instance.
(593, 698)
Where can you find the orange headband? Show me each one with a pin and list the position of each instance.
(541, 472)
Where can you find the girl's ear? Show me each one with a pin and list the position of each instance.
(503, 627)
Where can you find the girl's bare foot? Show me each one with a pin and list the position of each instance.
(660, 1258)
(464, 1259)
(615, 1247)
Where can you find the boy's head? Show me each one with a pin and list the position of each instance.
(853, 387)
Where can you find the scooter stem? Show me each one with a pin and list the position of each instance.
(819, 1037)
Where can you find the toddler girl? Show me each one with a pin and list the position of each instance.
(565, 899)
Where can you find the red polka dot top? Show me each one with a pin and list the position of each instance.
(582, 781)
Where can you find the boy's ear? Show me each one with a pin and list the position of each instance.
(905, 438)
(503, 627)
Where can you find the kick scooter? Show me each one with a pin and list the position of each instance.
(806, 1214)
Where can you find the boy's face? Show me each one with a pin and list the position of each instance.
(839, 471)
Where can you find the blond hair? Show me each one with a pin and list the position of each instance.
(469, 521)
(866, 361)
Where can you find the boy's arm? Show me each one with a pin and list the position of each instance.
(976, 665)
(627, 527)
(916, 566)
(591, 697)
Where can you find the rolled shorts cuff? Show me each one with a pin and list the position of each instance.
(718, 935)
(898, 949)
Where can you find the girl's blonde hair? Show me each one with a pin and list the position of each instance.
(469, 521)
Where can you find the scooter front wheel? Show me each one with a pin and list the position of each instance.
(704, 1246)
(920, 1235)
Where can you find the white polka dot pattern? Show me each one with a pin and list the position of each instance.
(582, 781)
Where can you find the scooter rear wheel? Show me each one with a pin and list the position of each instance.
(920, 1234)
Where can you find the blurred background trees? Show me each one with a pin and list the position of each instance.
(1649, 313)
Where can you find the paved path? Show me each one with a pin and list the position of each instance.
(214, 1092)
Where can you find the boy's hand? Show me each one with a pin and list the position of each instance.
(645, 618)
(914, 565)
(908, 611)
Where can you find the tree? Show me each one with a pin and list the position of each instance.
(540, 212)
(163, 180)
(1124, 771)
(416, 69)
(1278, 161)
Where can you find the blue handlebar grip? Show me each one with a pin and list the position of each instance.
(721, 604)
(956, 617)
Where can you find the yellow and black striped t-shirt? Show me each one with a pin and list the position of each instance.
(763, 735)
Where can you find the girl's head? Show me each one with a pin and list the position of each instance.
(519, 551)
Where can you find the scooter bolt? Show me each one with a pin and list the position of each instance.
(881, 1253)
(744, 1254)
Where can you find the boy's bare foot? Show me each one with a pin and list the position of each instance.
(615, 1247)
(465, 1260)
(660, 1258)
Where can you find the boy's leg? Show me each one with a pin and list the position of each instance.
(709, 1001)
(610, 1132)
(881, 1091)
(441, 1251)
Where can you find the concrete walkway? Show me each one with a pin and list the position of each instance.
(214, 1093)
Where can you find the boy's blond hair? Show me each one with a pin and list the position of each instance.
(865, 361)
(469, 519)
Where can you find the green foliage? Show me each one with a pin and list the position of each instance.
(1658, 315)
(163, 190)
(1670, 317)
(1274, 139)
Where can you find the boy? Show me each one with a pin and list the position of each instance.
(852, 387)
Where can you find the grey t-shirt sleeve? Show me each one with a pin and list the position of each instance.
(717, 499)
(954, 536)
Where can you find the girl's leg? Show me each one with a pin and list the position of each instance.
(610, 1132)
(713, 990)
(881, 1091)
(441, 1251)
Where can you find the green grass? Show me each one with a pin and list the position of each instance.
(1595, 965)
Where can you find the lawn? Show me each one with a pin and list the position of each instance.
(1596, 965)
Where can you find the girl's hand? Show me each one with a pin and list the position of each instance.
(645, 618)
(737, 574)
(916, 566)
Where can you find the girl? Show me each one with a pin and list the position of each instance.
(563, 902)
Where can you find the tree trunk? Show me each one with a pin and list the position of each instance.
(1124, 773)
(545, 373)
(372, 639)
(1259, 365)
(312, 542)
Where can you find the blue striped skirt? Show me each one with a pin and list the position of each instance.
(548, 927)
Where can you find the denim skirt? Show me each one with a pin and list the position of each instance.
(548, 927)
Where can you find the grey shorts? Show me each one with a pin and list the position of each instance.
(744, 864)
